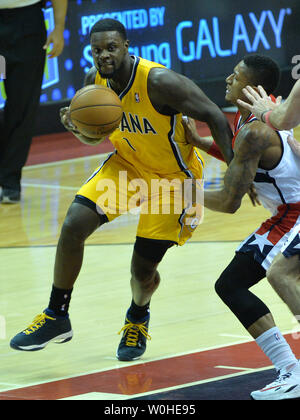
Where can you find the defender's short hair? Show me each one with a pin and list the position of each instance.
(104, 25)
(265, 71)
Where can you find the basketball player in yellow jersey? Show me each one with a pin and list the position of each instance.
(150, 146)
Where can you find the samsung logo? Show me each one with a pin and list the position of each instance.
(209, 34)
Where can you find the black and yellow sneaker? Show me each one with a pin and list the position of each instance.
(42, 331)
(133, 342)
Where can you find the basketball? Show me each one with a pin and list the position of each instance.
(96, 111)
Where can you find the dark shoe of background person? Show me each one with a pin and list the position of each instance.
(9, 196)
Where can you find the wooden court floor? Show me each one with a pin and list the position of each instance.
(195, 339)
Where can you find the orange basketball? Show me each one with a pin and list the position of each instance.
(96, 111)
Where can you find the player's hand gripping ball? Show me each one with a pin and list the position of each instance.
(95, 111)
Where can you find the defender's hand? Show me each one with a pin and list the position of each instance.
(253, 196)
(259, 101)
(192, 136)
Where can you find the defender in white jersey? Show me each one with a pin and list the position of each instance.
(261, 156)
(278, 190)
(284, 273)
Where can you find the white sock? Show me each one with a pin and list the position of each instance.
(276, 348)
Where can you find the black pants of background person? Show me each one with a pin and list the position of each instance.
(22, 36)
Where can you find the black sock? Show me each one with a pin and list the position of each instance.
(138, 312)
(60, 301)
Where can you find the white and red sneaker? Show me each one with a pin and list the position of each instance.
(286, 386)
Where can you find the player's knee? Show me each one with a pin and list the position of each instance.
(72, 233)
(241, 274)
(147, 255)
(156, 278)
(233, 288)
(79, 223)
(229, 282)
(224, 288)
(234, 291)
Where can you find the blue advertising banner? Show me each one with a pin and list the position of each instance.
(203, 40)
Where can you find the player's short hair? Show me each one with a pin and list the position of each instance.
(265, 71)
(104, 25)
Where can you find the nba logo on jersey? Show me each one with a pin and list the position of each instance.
(137, 97)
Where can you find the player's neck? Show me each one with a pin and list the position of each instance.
(244, 113)
(120, 81)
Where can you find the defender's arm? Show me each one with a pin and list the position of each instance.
(250, 146)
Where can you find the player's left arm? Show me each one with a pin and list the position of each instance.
(240, 174)
(179, 94)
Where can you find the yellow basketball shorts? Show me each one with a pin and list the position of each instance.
(170, 205)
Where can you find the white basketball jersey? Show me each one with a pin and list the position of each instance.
(280, 185)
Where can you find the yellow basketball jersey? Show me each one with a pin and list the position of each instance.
(146, 138)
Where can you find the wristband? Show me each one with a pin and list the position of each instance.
(262, 115)
(268, 122)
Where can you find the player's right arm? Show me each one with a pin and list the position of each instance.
(67, 123)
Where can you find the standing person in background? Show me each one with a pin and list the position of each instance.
(23, 44)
